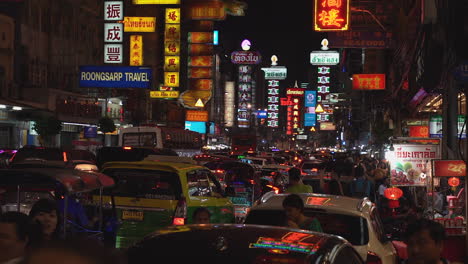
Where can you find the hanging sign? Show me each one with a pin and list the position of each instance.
(139, 24)
(331, 15)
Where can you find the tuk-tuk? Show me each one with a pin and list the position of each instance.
(21, 188)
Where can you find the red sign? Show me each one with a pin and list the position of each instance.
(200, 61)
(200, 49)
(449, 168)
(201, 84)
(200, 37)
(419, 131)
(199, 73)
(207, 10)
(368, 81)
(200, 116)
(331, 15)
(246, 57)
(286, 101)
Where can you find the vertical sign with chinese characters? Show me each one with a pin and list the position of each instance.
(331, 15)
(171, 47)
(245, 95)
(136, 50)
(113, 31)
(323, 92)
(273, 103)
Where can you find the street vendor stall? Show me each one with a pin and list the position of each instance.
(449, 198)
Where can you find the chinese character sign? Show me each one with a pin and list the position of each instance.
(171, 79)
(113, 10)
(331, 15)
(113, 53)
(172, 15)
(113, 32)
(136, 50)
(273, 104)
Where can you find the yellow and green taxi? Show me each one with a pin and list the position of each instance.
(152, 194)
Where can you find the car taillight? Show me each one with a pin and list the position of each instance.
(372, 258)
(219, 171)
(65, 159)
(274, 188)
(127, 148)
(180, 213)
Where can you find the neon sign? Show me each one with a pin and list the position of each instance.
(331, 15)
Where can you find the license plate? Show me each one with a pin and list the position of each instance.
(132, 215)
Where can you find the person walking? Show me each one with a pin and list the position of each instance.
(295, 182)
(361, 187)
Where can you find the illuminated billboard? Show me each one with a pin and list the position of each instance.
(331, 15)
(368, 81)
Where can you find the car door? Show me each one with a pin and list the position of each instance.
(204, 190)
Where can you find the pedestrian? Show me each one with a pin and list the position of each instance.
(16, 233)
(294, 209)
(295, 182)
(425, 239)
(201, 215)
(335, 187)
(361, 187)
(46, 213)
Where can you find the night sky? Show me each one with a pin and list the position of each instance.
(275, 28)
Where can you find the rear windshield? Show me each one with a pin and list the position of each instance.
(38, 154)
(151, 184)
(352, 228)
(147, 139)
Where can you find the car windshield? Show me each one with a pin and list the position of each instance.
(151, 184)
(352, 228)
(38, 154)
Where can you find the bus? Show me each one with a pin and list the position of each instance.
(243, 144)
(185, 142)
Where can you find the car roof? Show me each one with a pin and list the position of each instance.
(350, 205)
(152, 165)
(233, 243)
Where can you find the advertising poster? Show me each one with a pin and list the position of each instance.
(410, 165)
(310, 98)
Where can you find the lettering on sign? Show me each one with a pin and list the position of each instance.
(113, 10)
(113, 32)
(331, 15)
(164, 94)
(246, 57)
(139, 24)
(201, 116)
(113, 53)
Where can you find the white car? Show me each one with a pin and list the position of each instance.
(354, 219)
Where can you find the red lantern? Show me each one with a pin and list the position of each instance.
(393, 194)
(453, 181)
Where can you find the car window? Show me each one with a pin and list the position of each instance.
(199, 183)
(352, 228)
(377, 225)
(347, 255)
(266, 217)
(151, 184)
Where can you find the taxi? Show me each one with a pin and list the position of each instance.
(356, 220)
(161, 191)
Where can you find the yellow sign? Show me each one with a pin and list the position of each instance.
(319, 109)
(139, 24)
(164, 94)
(171, 63)
(172, 32)
(172, 48)
(199, 103)
(156, 2)
(136, 50)
(171, 79)
(173, 15)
